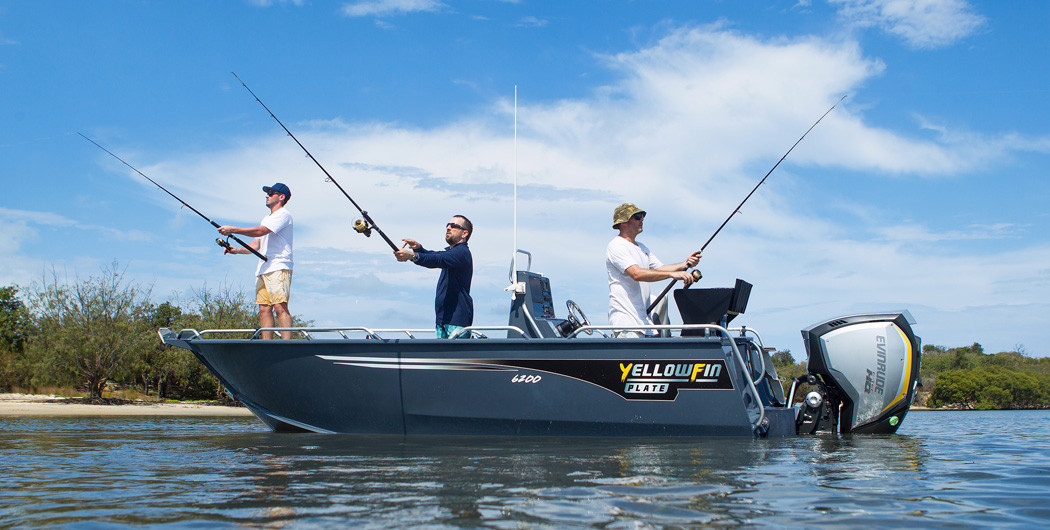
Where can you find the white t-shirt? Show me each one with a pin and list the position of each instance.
(628, 299)
(277, 245)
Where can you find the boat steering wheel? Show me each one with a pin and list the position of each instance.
(576, 315)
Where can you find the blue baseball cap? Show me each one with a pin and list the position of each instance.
(279, 188)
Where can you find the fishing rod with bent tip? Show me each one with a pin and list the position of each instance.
(737, 209)
(362, 226)
(222, 243)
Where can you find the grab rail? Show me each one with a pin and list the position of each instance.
(372, 333)
(306, 331)
(744, 330)
(744, 368)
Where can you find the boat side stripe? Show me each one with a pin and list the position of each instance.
(394, 365)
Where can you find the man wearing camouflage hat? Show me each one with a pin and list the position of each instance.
(631, 267)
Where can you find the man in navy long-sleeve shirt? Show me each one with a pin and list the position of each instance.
(453, 305)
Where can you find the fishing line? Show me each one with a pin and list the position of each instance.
(737, 209)
(219, 241)
(363, 226)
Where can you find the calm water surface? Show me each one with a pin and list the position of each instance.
(943, 469)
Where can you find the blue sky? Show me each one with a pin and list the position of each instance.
(925, 189)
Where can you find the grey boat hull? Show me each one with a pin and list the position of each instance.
(684, 386)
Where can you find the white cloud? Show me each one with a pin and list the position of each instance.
(385, 8)
(24, 218)
(921, 23)
(911, 234)
(22, 229)
(532, 22)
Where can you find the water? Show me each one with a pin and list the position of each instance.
(943, 469)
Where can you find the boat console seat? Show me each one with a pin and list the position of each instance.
(712, 305)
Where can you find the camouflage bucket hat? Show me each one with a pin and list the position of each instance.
(624, 212)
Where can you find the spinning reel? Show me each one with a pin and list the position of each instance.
(362, 227)
(696, 275)
(224, 243)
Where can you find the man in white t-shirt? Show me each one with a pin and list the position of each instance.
(631, 267)
(273, 276)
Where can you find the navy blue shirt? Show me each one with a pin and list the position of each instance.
(452, 304)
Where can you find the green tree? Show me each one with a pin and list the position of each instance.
(150, 365)
(988, 387)
(782, 358)
(223, 308)
(15, 329)
(176, 372)
(954, 387)
(88, 330)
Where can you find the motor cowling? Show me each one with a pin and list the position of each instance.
(870, 364)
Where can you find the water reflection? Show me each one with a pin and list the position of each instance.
(229, 472)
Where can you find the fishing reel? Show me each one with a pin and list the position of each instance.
(362, 227)
(224, 243)
(695, 273)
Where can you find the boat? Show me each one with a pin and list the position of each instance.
(550, 376)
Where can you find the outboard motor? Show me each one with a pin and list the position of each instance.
(865, 369)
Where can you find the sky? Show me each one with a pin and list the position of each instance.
(925, 189)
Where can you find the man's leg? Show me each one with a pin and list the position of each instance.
(266, 320)
(284, 319)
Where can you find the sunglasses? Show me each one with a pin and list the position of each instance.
(454, 225)
(638, 216)
(272, 193)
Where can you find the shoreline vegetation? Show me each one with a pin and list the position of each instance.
(98, 336)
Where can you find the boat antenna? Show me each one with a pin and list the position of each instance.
(737, 209)
(515, 286)
(219, 241)
(515, 249)
(365, 225)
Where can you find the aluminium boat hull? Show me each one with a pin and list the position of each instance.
(682, 386)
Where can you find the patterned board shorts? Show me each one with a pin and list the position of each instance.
(445, 330)
(273, 287)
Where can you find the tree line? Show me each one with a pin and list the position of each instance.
(965, 378)
(100, 333)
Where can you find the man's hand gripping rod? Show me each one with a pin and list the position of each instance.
(737, 209)
(364, 227)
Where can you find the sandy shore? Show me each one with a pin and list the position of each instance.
(37, 405)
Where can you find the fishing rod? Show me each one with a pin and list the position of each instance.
(737, 209)
(219, 241)
(362, 226)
